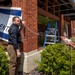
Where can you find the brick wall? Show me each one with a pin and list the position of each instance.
(29, 14)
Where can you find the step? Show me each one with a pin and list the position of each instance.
(51, 35)
(53, 40)
(49, 43)
(53, 29)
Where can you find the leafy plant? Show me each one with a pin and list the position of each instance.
(57, 59)
(73, 39)
(3, 61)
(42, 20)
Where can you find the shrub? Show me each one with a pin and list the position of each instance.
(57, 59)
(3, 61)
(73, 39)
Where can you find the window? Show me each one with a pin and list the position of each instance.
(6, 3)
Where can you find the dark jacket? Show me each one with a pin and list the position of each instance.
(14, 36)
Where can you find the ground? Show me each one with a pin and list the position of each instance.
(33, 72)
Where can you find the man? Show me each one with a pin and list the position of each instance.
(13, 47)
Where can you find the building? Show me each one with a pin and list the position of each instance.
(62, 11)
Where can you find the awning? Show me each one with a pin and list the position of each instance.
(56, 7)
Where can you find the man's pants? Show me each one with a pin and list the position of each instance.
(14, 61)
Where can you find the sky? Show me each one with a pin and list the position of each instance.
(74, 0)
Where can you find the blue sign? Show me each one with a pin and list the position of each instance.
(6, 15)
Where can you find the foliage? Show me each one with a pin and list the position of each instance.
(73, 39)
(45, 20)
(3, 61)
(57, 59)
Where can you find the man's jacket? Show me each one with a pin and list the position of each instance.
(14, 36)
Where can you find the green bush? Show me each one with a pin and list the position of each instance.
(57, 59)
(73, 39)
(42, 20)
(3, 61)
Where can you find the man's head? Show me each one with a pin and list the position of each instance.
(16, 20)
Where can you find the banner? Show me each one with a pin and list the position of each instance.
(6, 15)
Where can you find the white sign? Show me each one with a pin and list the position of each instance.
(6, 15)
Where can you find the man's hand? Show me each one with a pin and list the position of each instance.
(23, 22)
(18, 53)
